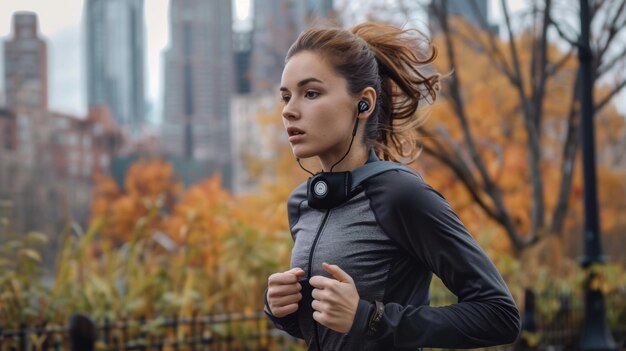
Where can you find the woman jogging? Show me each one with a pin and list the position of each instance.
(366, 243)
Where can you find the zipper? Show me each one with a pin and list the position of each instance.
(316, 332)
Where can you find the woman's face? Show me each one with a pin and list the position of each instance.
(319, 113)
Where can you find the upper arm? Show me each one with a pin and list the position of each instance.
(420, 220)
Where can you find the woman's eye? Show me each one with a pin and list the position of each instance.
(310, 94)
(285, 98)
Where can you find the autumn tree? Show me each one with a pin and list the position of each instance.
(507, 122)
(148, 186)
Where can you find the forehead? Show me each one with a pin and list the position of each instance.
(307, 64)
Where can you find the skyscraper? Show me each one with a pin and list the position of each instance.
(115, 45)
(199, 79)
(277, 24)
(243, 53)
(26, 64)
(475, 12)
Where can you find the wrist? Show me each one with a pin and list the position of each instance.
(361, 318)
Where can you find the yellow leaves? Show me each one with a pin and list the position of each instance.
(532, 338)
(149, 185)
(494, 113)
(611, 197)
(31, 254)
(150, 178)
(607, 278)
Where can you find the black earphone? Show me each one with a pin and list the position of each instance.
(363, 106)
(326, 190)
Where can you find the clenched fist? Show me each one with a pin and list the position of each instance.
(283, 292)
(335, 301)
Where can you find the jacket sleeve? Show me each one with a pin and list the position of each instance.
(420, 220)
(289, 323)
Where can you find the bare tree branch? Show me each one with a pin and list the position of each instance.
(613, 30)
(600, 105)
(461, 173)
(572, 140)
(572, 42)
(542, 58)
(537, 207)
(607, 66)
(489, 186)
(556, 67)
(494, 54)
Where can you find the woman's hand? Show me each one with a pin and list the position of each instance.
(283, 292)
(334, 300)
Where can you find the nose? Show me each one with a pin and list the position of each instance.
(290, 111)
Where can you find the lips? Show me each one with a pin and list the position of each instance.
(295, 134)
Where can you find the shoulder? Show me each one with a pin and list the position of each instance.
(297, 194)
(294, 202)
(402, 190)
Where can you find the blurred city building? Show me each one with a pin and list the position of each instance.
(26, 64)
(259, 57)
(277, 24)
(115, 57)
(256, 138)
(198, 85)
(48, 160)
(243, 55)
(476, 12)
(47, 165)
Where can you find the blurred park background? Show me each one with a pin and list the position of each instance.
(144, 169)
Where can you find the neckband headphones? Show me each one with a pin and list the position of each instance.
(326, 190)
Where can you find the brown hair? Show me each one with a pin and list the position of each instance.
(387, 59)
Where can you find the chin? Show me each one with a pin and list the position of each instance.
(300, 152)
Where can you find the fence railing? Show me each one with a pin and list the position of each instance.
(235, 331)
(550, 322)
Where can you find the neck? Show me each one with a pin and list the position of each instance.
(356, 157)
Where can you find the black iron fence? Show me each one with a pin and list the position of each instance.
(236, 331)
(550, 322)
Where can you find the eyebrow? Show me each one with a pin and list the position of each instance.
(303, 82)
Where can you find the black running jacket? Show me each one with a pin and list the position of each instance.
(390, 237)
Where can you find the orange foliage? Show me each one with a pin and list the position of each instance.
(495, 118)
(201, 220)
(149, 184)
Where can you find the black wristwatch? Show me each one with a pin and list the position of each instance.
(375, 318)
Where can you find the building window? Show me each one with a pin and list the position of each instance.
(188, 39)
(189, 110)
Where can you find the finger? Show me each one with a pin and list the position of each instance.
(282, 279)
(337, 273)
(286, 300)
(275, 291)
(318, 294)
(319, 317)
(320, 282)
(297, 271)
(284, 310)
(319, 306)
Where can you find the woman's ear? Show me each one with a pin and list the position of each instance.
(368, 95)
